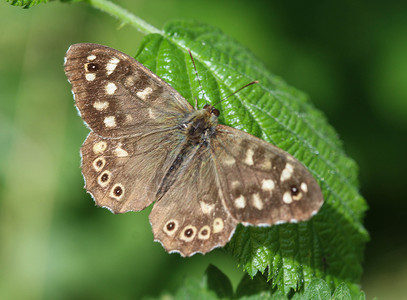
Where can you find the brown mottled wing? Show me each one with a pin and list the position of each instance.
(261, 183)
(124, 174)
(191, 217)
(117, 96)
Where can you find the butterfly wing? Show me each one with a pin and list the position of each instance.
(191, 216)
(133, 115)
(262, 184)
(117, 96)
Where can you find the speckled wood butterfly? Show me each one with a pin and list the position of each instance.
(148, 144)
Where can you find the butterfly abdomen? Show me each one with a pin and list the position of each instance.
(197, 129)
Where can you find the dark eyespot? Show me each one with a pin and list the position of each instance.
(92, 67)
(170, 226)
(204, 232)
(118, 191)
(294, 191)
(215, 112)
(189, 232)
(99, 163)
(105, 177)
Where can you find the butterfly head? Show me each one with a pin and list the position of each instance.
(211, 110)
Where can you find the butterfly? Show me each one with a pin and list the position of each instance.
(148, 144)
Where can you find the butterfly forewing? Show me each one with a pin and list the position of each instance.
(117, 96)
(262, 184)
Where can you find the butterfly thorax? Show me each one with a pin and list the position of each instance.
(199, 126)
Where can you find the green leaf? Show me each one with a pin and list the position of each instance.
(30, 3)
(26, 3)
(317, 289)
(258, 289)
(341, 292)
(331, 244)
(219, 282)
(348, 291)
(213, 285)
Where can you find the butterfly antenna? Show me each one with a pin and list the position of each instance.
(235, 92)
(199, 80)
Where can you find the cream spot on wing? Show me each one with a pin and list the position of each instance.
(110, 88)
(240, 202)
(99, 147)
(304, 187)
(90, 76)
(218, 225)
(290, 158)
(204, 233)
(265, 165)
(287, 198)
(128, 119)
(100, 105)
(91, 57)
(130, 81)
(171, 227)
(117, 191)
(143, 94)
(104, 178)
(249, 157)
(99, 163)
(111, 65)
(188, 233)
(287, 172)
(235, 184)
(151, 114)
(297, 197)
(110, 121)
(267, 185)
(120, 152)
(229, 160)
(256, 201)
(206, 207)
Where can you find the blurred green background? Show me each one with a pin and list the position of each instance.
(349, 56)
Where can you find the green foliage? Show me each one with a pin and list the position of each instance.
(26, 3)
(30, 3)
(257, 288)
(331, 244)
(290, 256)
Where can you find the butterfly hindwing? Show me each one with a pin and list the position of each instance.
(191, 216)
(124, 174)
